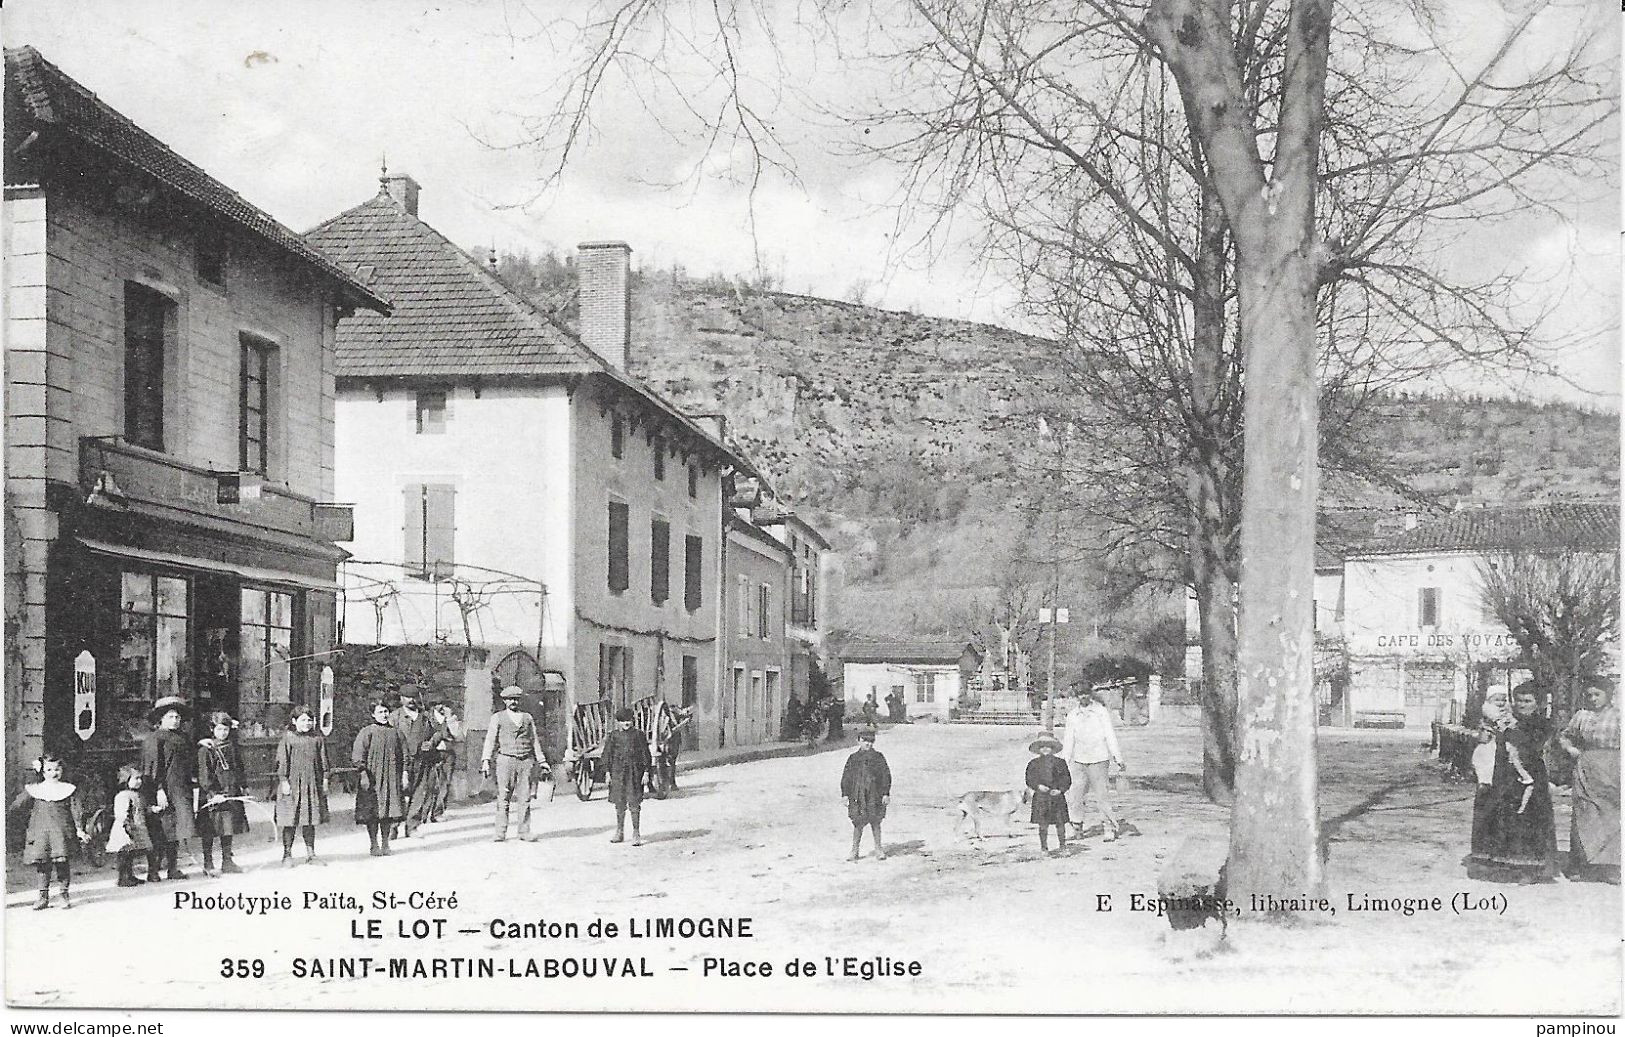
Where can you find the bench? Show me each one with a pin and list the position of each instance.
(1379, 718)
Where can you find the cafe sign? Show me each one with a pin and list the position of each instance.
(1456, 644)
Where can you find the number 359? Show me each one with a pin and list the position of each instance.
(242, 968)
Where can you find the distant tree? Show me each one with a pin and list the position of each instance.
(1563, 609)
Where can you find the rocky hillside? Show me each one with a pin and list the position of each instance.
(894, 432)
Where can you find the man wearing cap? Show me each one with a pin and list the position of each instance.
(516, 748)
(415, 727)
(626, 761)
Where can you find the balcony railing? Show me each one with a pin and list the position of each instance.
(113, 473)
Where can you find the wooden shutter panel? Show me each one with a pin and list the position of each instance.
(619, 567)
(693, 548)
(440, 526)
(659, 561)
(413, 528)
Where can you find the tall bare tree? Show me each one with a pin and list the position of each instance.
(1562, 606)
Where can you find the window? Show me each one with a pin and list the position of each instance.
(753, 706)
(660, 459)
(1427, 607)
(430, 530)
(925, 687)
(744, 606)
(614, 673)
(211, 258)
(763, 600)
(659, 561)
(694, 481)
(693, 550)
(617, 436)
(265, 648)
(691, 680)
(254, 406)
(154, 660)
(620, 567)
(146, 320)
(431, 413)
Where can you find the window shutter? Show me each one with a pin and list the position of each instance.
(439, 528)
(619, 565)
(762, 603)
(659, 561)
(413, 528)
(693, 549)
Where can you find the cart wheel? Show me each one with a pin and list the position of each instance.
(584, 780)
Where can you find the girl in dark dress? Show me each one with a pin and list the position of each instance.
(379, 755)
(220, 787)
(866, 787)
(55, 828)
(1514, 832)
(1048, 777)
(168, 759)
(301, 771)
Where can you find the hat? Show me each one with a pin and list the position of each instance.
(1045, 740)
(512, 691)
(167, 703)
(623, 714)
(866, 736)
(221, 717)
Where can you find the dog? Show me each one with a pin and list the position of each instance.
(976, 807)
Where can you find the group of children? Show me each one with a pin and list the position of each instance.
(153, 812)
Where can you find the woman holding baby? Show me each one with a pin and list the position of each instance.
(1514, 837)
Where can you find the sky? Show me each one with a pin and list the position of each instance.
(296, 103)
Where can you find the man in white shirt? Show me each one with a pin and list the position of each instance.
(1089, 747)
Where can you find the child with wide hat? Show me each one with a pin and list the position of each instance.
(1048, 778)
(168, 771)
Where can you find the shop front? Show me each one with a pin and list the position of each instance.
(229, 606)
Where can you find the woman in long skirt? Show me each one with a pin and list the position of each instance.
(301, 772)
(1592, 739)
(379, 755)
(1514, 831)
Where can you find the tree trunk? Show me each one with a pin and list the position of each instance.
(1270, 212)
(1215, 612)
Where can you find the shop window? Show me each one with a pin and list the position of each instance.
(431, 411)
(147, 318)
(265, 651)
(430, 530)
(620, 564)
(154, 660)
(693, 550)
(254, 406)
(659, 561)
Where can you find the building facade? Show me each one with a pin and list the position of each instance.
(1416, 628)
(517, 490)
(169, 436)
(756, 652)
(814, 594)
(926, 673)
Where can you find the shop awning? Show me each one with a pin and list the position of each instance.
(246, 572)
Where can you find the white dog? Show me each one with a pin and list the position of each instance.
(976, 807)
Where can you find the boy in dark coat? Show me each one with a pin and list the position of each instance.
(866, 787)
(379, 756)
(1049, 778)
(168, 771)
(626, 761)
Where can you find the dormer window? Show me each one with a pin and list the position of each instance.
(211, 259)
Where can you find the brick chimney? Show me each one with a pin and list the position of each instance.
(404, 190)
(605, 272)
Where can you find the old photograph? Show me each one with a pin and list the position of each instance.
(1022, 507)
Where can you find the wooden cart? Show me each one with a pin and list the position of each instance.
(590, 725)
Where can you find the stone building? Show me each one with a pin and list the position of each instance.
(169, 436)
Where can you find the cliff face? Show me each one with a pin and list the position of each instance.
(896, 434)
